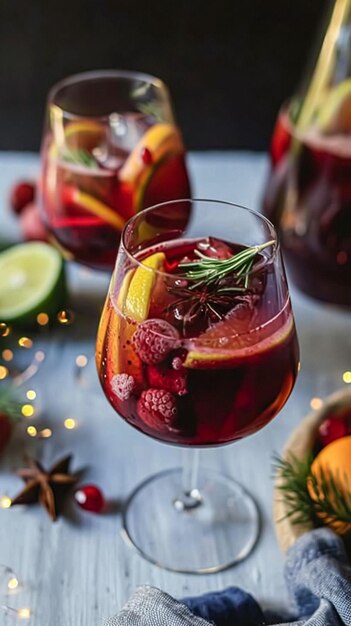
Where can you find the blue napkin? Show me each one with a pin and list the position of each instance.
(318, 576)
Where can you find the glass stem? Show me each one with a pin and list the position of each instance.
(190, 496)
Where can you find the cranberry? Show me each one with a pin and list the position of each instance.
(331, 429)
(21, 195)
(146, 156)
(90, 498)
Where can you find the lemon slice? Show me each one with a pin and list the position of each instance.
(162, 141)
(137, 301)
(334, 116)
(31, 282)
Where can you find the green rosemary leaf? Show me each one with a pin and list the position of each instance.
(80, 156)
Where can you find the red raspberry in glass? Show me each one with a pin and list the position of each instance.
(122, 385)
(331, 429)
(90, 498)
(162, 377)
(157, 408)
(154, 339)
(146, 156)
(21, 194)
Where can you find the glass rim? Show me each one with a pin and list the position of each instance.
(272, 253)
(91, 75)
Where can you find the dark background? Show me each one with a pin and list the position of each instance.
(229, 63)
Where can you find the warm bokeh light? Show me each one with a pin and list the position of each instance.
(65, 317)
(346, 377)
(42, 319)
(24, 613)
(81, 360)
(32, 431)
(12, 583)
(316, 403)
(27, 410)
(7, 355)
(5, 502)
(31, 394)
(3, 372)
(25, 342)
(40, 356)
(70, 423)
(4, 329)
(46, 433)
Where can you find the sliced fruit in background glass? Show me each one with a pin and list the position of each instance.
(82, 201)
(334, 116)
(161, 141)
(32, 281)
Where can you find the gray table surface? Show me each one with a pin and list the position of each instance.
(78, 571)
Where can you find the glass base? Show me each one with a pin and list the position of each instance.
(211, 529)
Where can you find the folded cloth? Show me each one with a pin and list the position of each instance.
(318, 576)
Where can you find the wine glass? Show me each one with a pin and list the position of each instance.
(196, 347)
(110, 148)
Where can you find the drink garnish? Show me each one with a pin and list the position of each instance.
(80, 156)
(208, 271)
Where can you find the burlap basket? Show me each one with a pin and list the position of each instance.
(300, 444)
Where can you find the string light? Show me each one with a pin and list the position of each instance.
(27, 410)
(65, 317)
(12, 583)
(46, 433)
(42, 319)
(3, 372)
(81, 360)
(4, 330)
(70, 423)
(346, 377)
(25, 342)
(31, 394)
(22, 613)
(5, 502)
(316, 403)
(9, 580)
(7, 355)
(32, 431)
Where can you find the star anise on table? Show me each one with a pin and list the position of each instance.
(47, 487)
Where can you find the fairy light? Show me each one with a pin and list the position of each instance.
(24, 613)
(70, 423)
(65, 317)
(3, 372)
(12, 583)
(81, 360)
(46, 433)
(25, 342)
(42, 319)
(31, 394)
(5, 502)
(4, 330)
(347, 377)
(27, 410)
(316, 403)
(40, 356)
(7, 355)
(32, 431)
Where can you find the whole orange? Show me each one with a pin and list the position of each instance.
(333, 461)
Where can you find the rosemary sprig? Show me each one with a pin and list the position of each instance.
(80, 156)
(207, 270)
(331, 499)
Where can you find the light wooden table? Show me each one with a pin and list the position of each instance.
(77, 572)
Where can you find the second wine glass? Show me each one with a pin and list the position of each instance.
(110, 149)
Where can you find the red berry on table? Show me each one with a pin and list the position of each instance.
(31, 225)
(21, 195)
(157, 408)
(331, 429)
(146, 156)
(154, 339)
(90, 498)
(5, 430)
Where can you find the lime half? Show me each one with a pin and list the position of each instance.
(31, 282)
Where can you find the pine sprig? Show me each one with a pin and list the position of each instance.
(331, 495)
(80, 156)
(207, 270)
(9, 403)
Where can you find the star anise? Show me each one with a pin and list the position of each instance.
(48, 487)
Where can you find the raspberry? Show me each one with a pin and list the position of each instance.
(157, 408)
(21, 194)
(172, 380)
(154, 339)
(122, 385)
